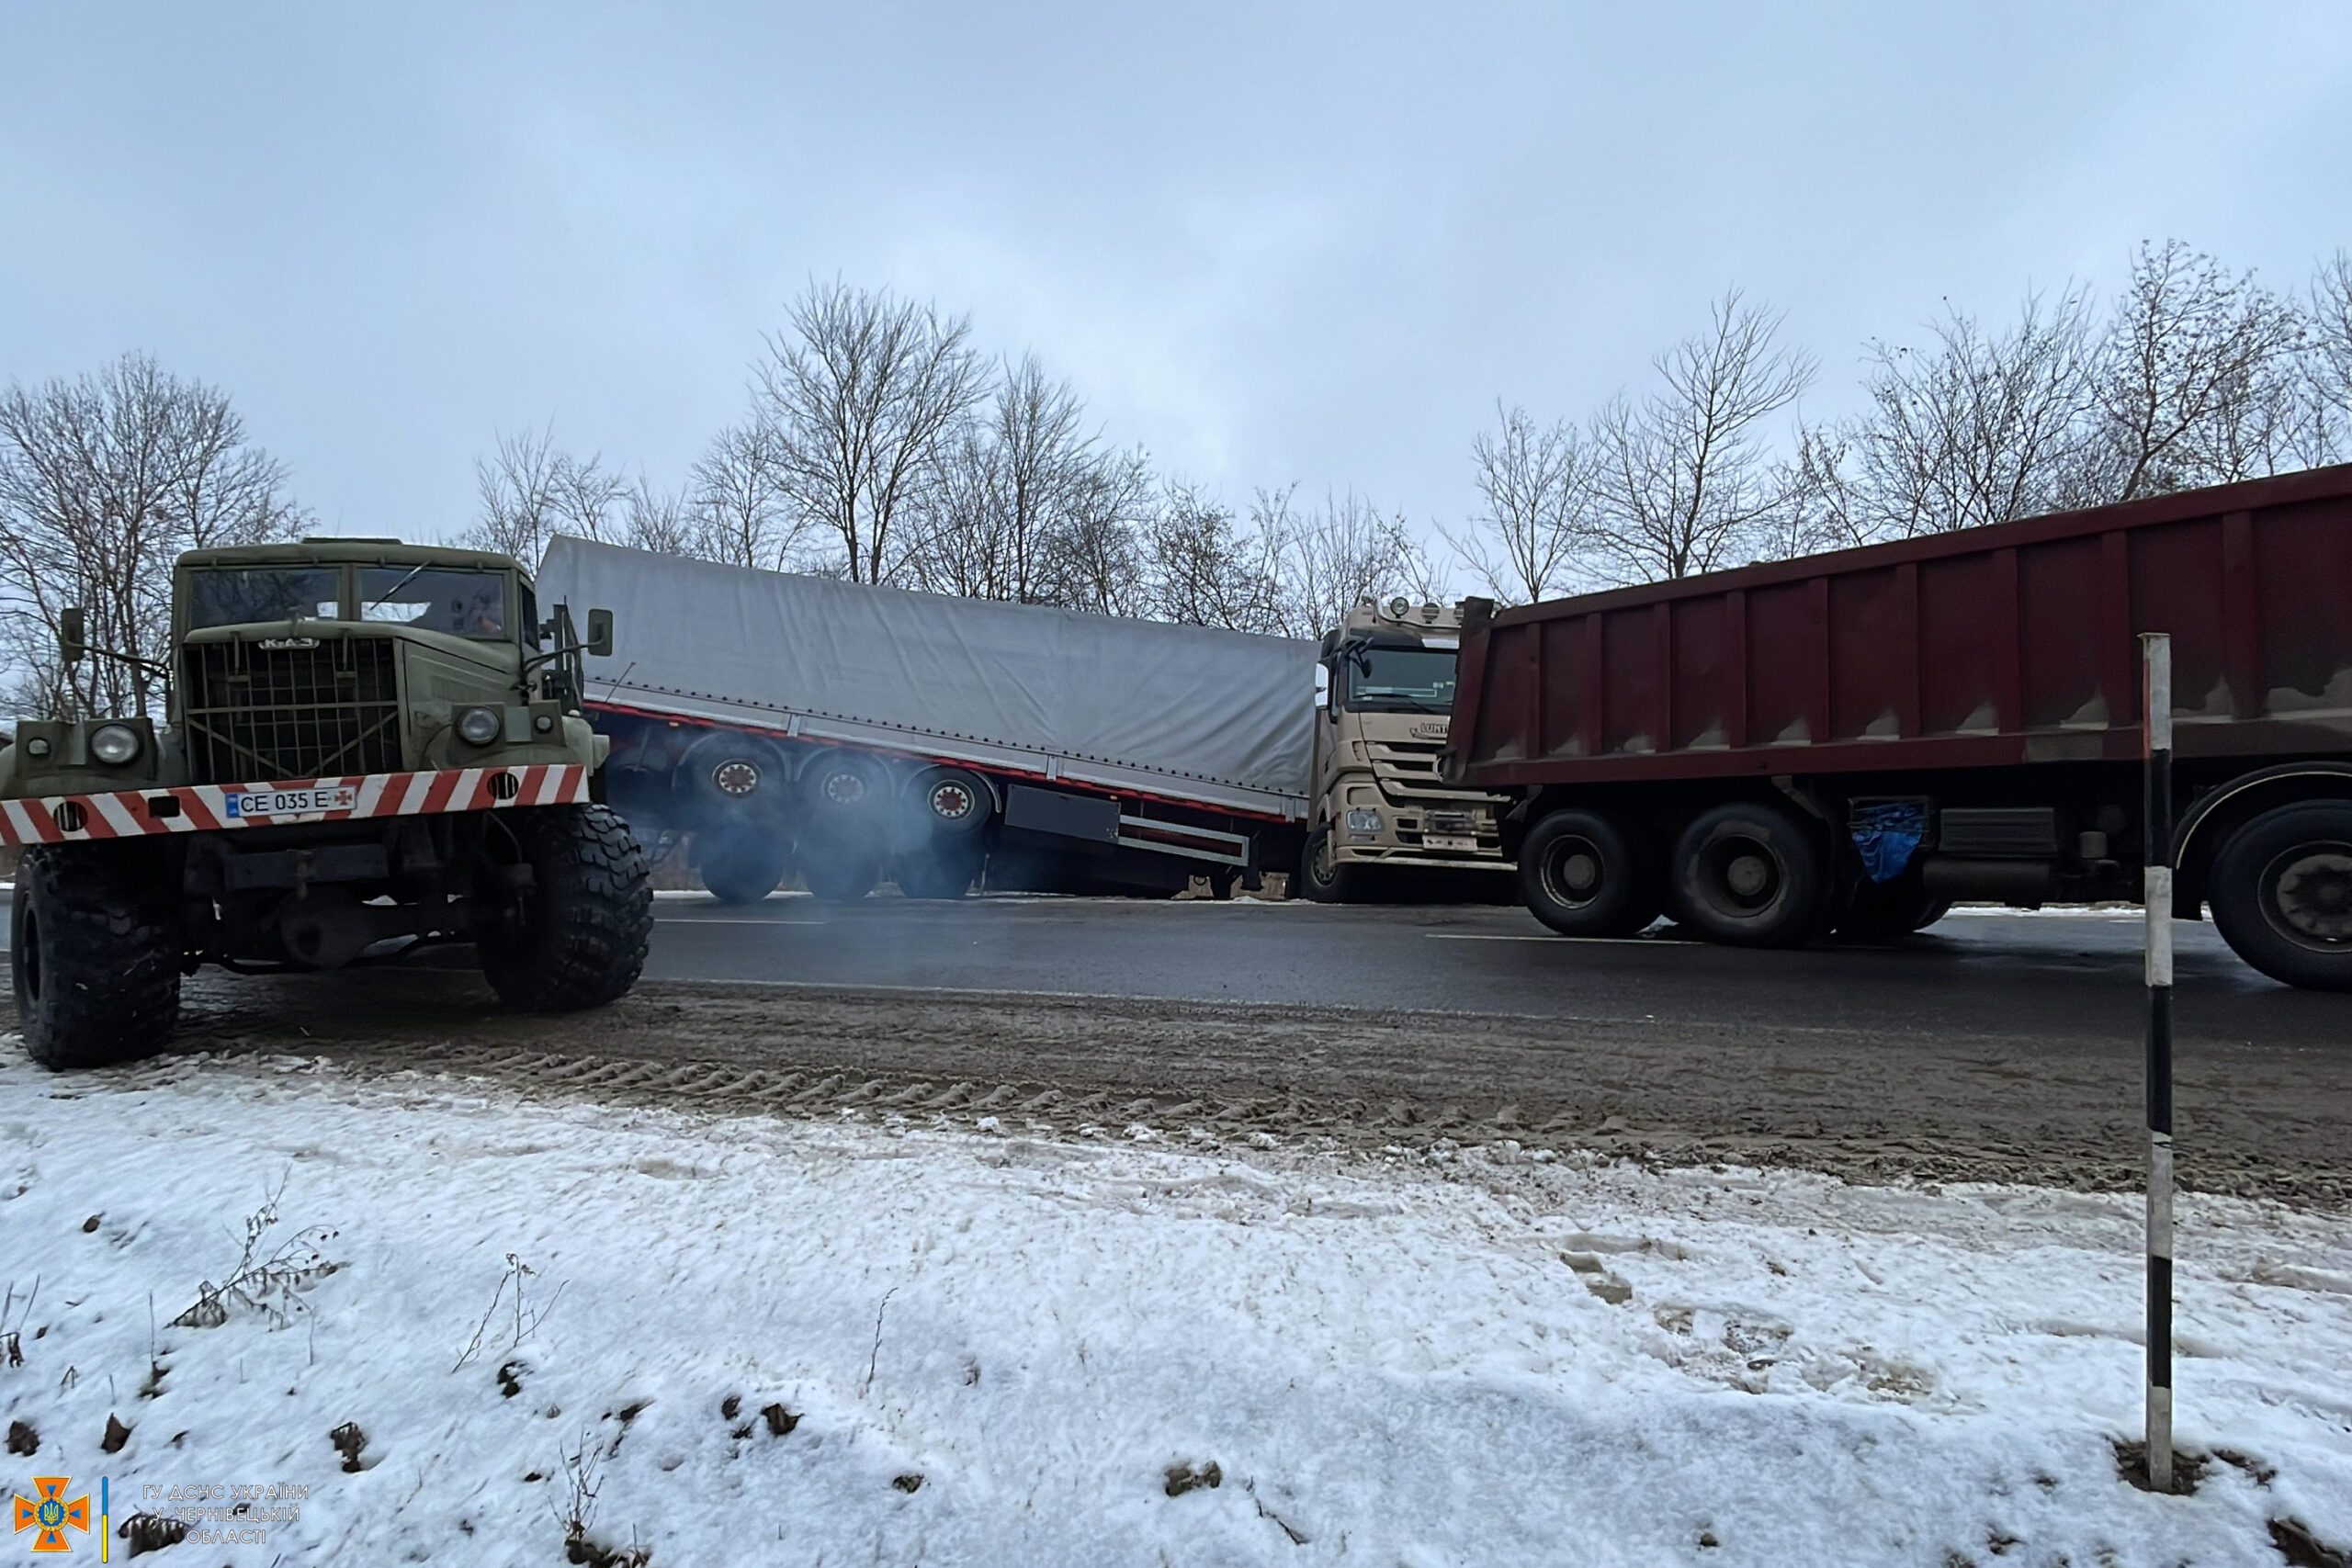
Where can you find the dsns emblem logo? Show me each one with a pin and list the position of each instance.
(52, 1514)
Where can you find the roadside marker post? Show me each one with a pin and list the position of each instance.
(2155, 709)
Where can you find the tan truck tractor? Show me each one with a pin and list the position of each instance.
(1384, 693)
(368, 749)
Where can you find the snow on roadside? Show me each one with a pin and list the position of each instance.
(1017, 1349)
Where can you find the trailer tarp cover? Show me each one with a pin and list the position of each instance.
(1184, 701)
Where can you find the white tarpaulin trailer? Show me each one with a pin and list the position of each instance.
(1188, 714)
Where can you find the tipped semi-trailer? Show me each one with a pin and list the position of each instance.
(1852, 741)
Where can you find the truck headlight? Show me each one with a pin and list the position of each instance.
(114, 744)
(1362, 822)
(482, 726)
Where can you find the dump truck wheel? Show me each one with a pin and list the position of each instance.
(1881, 911)
(742, 864)
(1750, 874)
(1321, 876)
(1584, 873)
(578, 937)
(94, 948)
(2282, 891)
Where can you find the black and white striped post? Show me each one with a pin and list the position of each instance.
(2156, 705)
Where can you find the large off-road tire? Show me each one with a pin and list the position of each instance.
(1322, 877)
(94, 948)
(1587, 873)
(578, 937)
(2281, 893)
(742, 864)
(1752, 874)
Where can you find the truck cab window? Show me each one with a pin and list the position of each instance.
(1400, 679)
(435, 599)
(245, 598)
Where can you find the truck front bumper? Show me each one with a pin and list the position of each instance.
(205, 808)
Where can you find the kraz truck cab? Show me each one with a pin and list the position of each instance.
(1384, 697)
(367, 747)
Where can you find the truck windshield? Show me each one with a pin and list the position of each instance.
(435, 599)
(1401, 680)
(277, 593)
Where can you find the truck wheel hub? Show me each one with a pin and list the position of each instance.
(845, 788)
(1747, 875)
(2312, 890)
(951, 801)
(736, 777)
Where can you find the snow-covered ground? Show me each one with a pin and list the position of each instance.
(1003, 1348)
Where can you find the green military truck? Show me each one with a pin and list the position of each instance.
(368, 748)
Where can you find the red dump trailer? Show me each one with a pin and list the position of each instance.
(1854, 740)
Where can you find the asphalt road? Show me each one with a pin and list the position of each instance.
(1992, 1047)
(2038, 976)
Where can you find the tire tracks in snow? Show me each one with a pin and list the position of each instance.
(1848, 1102)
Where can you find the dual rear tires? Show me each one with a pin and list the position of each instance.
(1749, 874)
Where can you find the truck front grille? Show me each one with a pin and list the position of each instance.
(256, 714)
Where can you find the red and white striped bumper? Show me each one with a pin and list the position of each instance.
(204, 808)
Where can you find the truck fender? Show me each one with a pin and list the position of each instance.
(2219, 812)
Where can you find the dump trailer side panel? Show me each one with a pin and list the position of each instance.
(1993, 647)
(1855, 741)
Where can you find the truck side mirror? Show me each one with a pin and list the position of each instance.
(71, 641)
(600, 633)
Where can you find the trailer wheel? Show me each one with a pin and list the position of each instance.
(742, 864)
(2282, 891)
(838, 872)
(1325, 879)
(951, 803)
(577, 939)
(941, 871)
(1750, 874)
(1584, 873)
(840, 788)
(729, 770)
(95, 951)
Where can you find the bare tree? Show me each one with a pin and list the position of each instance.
(857, 398)
(1205, 571)
(1683, 479)
(531, 490)
(1004, 491)
(658, 520)
(1097, 556)
(740, 503)
(1536, 484)
(2328, 362)
(104, 480)
(1334, 556)
(2195, 380)
(1980, 429)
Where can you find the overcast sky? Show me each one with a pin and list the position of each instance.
(1272, 244)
